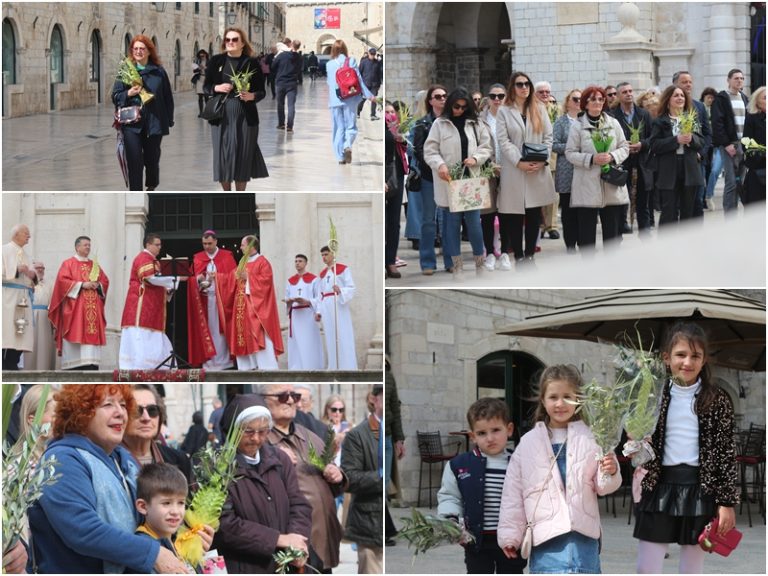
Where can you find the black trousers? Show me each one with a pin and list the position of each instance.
(680, 198)
(511, 232)
(490, 559)
(11, 358)
(142, 153)
(375, 92)
(570, 220)
(392, 209)
(610, 221)
(487, 224)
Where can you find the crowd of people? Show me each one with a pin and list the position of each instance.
(121, 489)
(232, 310)
(229, 85)
(604, 153)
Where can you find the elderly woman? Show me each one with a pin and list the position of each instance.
(457, 137)
(84, 522)
(143, 432)
(320, 487)
(236, 153)
(526, 185)
(590, 194)
(142, 139)
(265, 509)
(564, 170)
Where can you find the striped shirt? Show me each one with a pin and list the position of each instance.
(495, 470)
(739, 113)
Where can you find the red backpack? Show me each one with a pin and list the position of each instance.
(347, 81)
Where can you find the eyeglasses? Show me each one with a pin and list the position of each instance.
(282, 397)
(139, 49)
(576, 99)
(522, 84)
(250, 432)
(543, 92)
(610, 94)
(235, 39)
(153, 410)
(438, 96)
(458, 106)
(496, 96)
(336, 410)
(599, 99)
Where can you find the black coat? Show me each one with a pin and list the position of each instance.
(638, 160)
(723, 122)
(286, 68)
(664, 148)
(215, 74)
(157, 114)
(372, 72)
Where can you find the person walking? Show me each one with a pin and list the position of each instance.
(198, 79)
(372, 72)
(236, 153)
(286, 67)
(143, 138)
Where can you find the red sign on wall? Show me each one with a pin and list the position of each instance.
(333, 18)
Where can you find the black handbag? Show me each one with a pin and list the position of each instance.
(534, 152)
(214, 109)
(413, 181)
(615, 176)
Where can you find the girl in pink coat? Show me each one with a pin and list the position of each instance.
(553, 481)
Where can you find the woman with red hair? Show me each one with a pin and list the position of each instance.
(142, 139)
(85, 521)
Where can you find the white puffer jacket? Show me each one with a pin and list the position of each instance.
(560, 511)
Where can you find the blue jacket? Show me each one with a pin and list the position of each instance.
(157, 114)
(68, 535)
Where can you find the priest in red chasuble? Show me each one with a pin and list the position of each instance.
(207, 309)
(143, 343)
(254, 327)
(76, 309)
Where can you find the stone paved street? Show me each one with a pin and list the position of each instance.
(75, 150)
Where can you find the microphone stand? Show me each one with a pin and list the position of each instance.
(174, 361)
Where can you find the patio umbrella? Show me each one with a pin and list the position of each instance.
(734, 323)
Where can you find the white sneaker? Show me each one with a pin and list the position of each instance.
(490, 262)
(504, 263)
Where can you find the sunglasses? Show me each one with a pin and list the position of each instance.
(438, 96)
(477, 99)
(600, 100)
(458, 106)
(232, 39)
(610, 94)
(576, 99)
(153, 410)
(496, 96)
(336, 410)
(522, 84)
(282, 397)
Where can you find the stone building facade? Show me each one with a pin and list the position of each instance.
(361, 26)
(287, 224)
(569, 44)
(445, 353)
(63, 55)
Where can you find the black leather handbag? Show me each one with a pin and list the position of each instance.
(534, 152)
(214, 109)
(615, 176)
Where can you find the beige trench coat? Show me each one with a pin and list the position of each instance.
(443, 146)
(519, 190)
(587, 189)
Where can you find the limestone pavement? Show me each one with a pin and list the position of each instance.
(74, 150)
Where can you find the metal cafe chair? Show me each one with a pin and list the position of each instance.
(431, 451)
(751, 457)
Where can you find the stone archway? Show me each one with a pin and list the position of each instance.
(324, 44)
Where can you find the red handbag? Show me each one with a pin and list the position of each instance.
(710, 541)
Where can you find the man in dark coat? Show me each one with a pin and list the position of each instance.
(372, 71)
(362, 460)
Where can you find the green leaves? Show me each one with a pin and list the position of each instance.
(242, 80)
(284, 558)
(426, 532)
(321, 461)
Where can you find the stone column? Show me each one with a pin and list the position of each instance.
(409, 69)
(630, 54)
(724, 52)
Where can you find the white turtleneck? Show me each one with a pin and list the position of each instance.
(681, 438)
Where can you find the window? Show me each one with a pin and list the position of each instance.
(57, 56)
(9, 53)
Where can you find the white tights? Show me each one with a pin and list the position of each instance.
(650, 558)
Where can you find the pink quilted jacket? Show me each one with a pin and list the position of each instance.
(560, 510)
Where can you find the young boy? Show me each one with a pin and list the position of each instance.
(161, 496)
(471, 487)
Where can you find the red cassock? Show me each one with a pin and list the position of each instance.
(200, 347)
(80, 320)
(253, 315)
(145, 302)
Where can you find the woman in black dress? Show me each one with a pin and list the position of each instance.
(236, 153)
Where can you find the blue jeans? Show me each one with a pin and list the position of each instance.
(730, 193)
(714, 174)
(389, 452)
(570, 553)
(343, 127)
(413, 219)
(427, 257)
(452, 232)
(290, 91)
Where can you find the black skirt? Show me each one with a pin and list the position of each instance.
(236, 153)
(676, 510)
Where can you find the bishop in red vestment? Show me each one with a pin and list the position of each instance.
(207, 309)
(76, 309)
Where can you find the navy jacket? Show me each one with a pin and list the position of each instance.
(157, 114)
(372, 72)
(68, 535)
(286, 68)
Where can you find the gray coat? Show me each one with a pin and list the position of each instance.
(588, 190)
(519, 190)
(564, 170)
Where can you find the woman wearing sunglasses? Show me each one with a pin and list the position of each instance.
(564, 169)
(496, 95)
(236, 153)
(458, 137)
(526, 185)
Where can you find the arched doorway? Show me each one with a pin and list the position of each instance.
(9, 60)
(512, 376)
(180, 219)
(95, 64)
(127, 47)
(56, 62)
